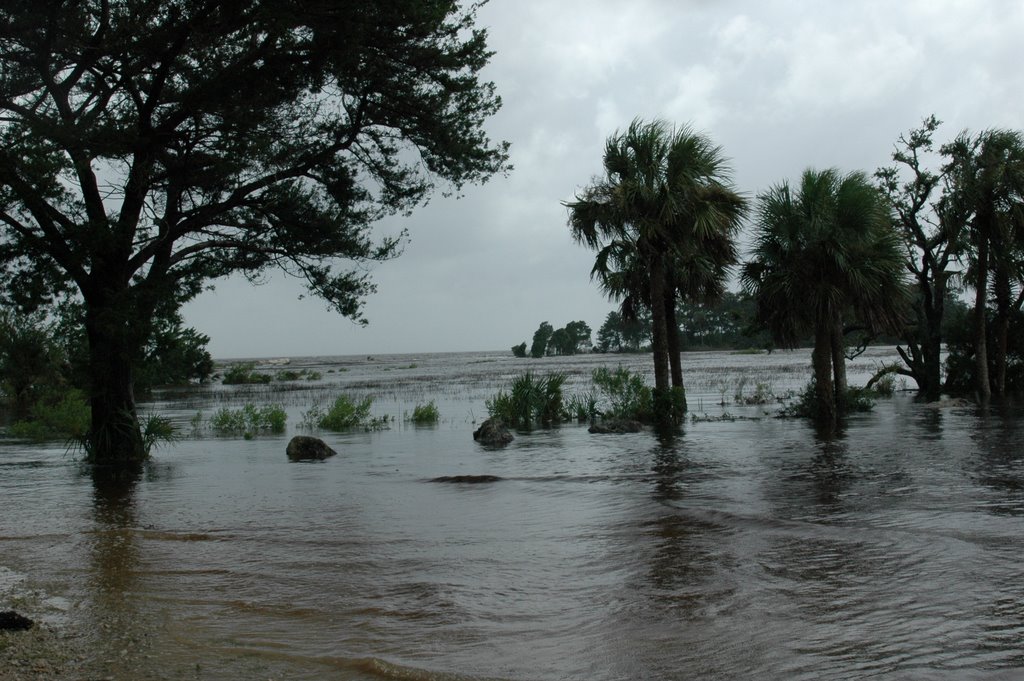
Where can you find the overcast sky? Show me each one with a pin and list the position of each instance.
(780, 85)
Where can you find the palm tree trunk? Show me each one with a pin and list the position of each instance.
(982, 385)
(672, 333)
(821, 360)
(1001, 331)
(838, 364)
(659, 342)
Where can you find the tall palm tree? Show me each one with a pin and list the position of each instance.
(987, 174)
(824, 251)
(664, 196)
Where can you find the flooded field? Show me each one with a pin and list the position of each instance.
(746, 548)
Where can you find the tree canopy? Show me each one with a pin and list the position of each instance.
(149, 147)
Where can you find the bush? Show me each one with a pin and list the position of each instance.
(244, 374)
(807, 406)
(529, 401)
(425, 414)
(56, 416)
(624, 394)
(300, 375)
(345, 414)
(249, 420)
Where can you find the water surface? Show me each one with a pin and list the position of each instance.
(742, 549)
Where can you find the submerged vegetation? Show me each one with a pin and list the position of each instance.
(249, 420)
(530, 400)
(345, 413)
(424, 414)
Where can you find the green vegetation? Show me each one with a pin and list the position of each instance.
(300, 375)
(344, 414)
(831, 239)
(54, 416)
(206, 183)
(244, 373)
(424, 414)
(530, 400)
(519, 350)
(571, 339)
(663, 221)
(249, 420)
(624, 394)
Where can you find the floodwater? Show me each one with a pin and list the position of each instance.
(746, 548)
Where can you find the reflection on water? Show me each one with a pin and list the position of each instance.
(747, 549)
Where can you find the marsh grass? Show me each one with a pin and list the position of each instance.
(424, 414)
(344, 413)
(249, 420)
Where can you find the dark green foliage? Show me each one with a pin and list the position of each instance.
(244, 373)
(541, 336)
(149, 148)
(961, 378)
(570, 339)
(54, 416)
(297, 375)
(32, 363)
(529, 401)
(583, 406)
(519, 350)
(618, 334)
(808, 402)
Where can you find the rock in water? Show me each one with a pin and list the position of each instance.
(306, 448)
(493, 432)
(12, 621)
(467, 479)
(623, 426)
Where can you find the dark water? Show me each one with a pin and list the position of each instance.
(743, 549)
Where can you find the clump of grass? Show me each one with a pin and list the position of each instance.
(249, 421)
(529, 400)
(65, 415)
(424, 414)
(244, 374)
(583, 406)
(762, 394)
(345, 414)
(624, 394)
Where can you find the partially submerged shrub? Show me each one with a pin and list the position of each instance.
(345, 414)
(624, 394)
(56, 416)
(807, 403)
(249, 420)
(244, 374)
(529, 400)
(300, 375)
(424, 414)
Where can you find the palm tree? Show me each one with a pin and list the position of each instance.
(987, 173)
(825, 251)
(664, 199)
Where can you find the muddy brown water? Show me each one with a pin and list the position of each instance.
(743, 549)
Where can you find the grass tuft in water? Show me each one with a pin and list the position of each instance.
(424, 414)
(249, 421)
(344, 414)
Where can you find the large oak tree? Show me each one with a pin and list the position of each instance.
(149, 146)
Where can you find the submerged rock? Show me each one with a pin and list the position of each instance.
(306, 448)
(493, 432)
(467, 479)
(619, 426)
(12, 621)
